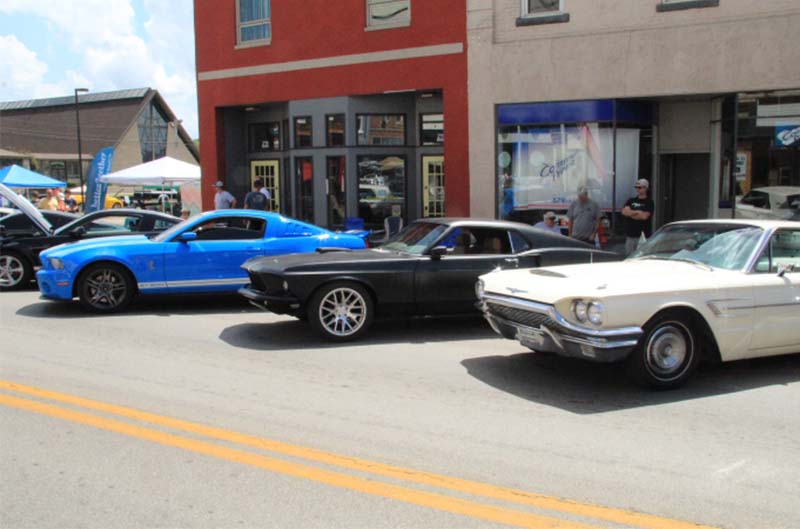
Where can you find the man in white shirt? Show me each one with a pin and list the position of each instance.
(223, 199)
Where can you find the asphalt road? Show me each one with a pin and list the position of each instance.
(203, 412)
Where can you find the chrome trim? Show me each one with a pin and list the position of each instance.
(751, 264)
(193, 283)
(558, 337)
(549, 310)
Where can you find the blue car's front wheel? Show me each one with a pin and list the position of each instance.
(105, 288)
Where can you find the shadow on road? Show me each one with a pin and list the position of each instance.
(156, 305)
(295, 334)
(586, 388)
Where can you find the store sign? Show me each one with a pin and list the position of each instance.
(787, 135)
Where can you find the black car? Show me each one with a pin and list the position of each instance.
(18, 223)
(429, 268)
(19, 254)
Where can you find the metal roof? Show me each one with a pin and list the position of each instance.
(84, 97)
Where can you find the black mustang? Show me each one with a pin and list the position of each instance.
(430, 268)
(19, 254)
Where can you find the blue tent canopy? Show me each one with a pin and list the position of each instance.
(16, 176)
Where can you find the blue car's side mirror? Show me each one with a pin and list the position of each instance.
(187, 236)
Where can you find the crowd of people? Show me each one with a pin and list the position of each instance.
(55, 200)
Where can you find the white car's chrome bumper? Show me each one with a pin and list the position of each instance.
(541, 328)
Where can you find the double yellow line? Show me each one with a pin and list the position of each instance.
(10, 397)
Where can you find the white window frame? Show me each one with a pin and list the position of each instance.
(239, 25)
(526, 14)
(372, 25)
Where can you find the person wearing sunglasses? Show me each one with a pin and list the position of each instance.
(637, 212)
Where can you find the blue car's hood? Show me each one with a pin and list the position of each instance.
(101, 242)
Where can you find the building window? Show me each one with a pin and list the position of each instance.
(383, 14)
(676, 5)
(304, 184)
(254, 25)
(381, 186)
(152, 126)
(336, 191)
(381, 129)
(263, 137)
(536, 12)
(431, 130)
(302, 132)
(334, 130)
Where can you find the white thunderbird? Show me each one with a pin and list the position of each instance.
(716, 289)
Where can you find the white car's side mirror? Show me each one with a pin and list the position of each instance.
(783, 268)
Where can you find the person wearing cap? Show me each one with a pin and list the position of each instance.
(637, 212)
(223, 199)
(584, 217)
(549, 223)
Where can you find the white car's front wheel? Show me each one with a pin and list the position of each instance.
(667, 354)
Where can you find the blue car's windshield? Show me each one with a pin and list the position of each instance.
(416, 238)
(727, 246)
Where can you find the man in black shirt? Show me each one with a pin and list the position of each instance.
(256, 199)
(637, 211)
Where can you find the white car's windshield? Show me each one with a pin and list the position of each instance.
(416, 238)
(727, 246)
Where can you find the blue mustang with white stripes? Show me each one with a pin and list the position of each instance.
(201, 254)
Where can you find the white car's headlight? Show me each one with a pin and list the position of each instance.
(479, 288)
(56, 263)
(595, 312)
(579, 309)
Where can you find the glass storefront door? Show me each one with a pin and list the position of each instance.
(269, 171)
(433, 186)
(335, 187)
(304, 187)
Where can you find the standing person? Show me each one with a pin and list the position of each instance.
(637, 213)
(256, 199)
(49, 202)
(223, 199)
(549, 223)
(70, 204)
(584, 217)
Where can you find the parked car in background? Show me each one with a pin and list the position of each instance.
(19, 253)
(18, 223)
(429, 268)
(775, 202)
(718, 290)
(111, 202)
(201, 254)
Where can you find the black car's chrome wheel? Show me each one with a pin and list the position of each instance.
(15, 271)
(341, 311)
(667, 354)
(105, 288)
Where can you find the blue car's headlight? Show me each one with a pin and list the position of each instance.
(56, 263)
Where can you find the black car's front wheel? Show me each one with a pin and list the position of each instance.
(105, 288)
(15, 271)
(341, 311)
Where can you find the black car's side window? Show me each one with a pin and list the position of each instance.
(518, 242)
(112, 224)
(477, 241)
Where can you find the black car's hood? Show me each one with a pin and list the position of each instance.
(328, 260)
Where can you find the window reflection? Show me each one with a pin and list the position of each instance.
(381, 129)
(381, 185)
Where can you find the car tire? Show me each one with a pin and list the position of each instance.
(105, 288)
(341, 311)
(15, 271)
(667, 353)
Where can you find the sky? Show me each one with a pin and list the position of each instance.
(50, 47)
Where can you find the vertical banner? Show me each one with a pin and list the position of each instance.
(95, 198)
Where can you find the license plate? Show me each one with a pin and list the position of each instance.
(532, 338)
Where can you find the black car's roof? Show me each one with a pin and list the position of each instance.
(503, 224)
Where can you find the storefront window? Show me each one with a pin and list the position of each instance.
(542, 160)
(381, 129)
(334, 130)
(336, 190)
(431, 129)
(304, 183)
(768, 141)
(264, 137)
(302, 132)
(381, 185)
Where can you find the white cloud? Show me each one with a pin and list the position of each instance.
(111, 55)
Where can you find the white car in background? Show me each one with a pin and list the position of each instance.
(718, 289)
(775, 202)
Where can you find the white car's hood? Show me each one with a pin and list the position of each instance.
(630, 277)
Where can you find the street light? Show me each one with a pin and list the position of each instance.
(80, 154)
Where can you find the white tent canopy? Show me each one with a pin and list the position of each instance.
(164, 171)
